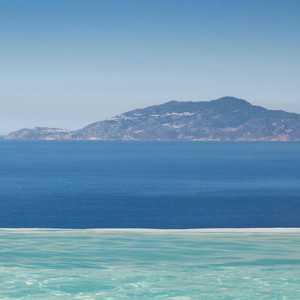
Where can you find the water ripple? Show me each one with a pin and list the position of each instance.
(86, 264)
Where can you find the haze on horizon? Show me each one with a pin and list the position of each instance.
(69, 63)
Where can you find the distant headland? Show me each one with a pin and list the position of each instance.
(224, 119)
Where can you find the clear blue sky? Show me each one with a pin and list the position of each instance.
(67, 63)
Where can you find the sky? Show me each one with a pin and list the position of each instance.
(68, 63)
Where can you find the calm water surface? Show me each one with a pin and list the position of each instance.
(148, 185)
(94, 184)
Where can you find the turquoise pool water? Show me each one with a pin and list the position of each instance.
(150, 264)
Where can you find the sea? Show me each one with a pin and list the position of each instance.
(149, 220)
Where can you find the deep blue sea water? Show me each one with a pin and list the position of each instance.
(97, 184)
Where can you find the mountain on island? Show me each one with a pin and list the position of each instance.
(224, 119)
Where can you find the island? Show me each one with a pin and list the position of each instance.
(224, 119)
